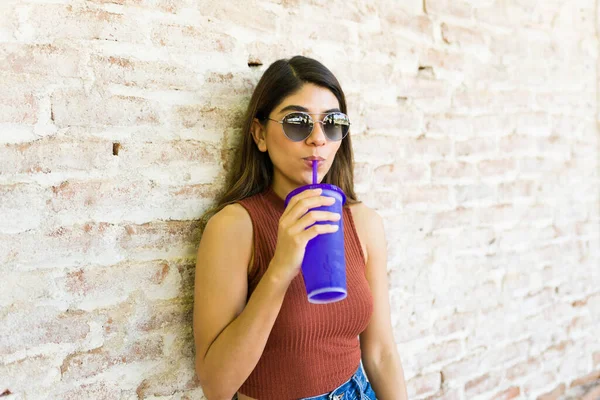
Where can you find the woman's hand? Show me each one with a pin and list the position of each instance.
(292, 235)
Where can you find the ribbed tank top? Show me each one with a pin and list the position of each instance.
(312, 348)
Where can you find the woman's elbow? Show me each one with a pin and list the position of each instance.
(211, 387)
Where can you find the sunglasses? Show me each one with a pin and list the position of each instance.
(297, 126)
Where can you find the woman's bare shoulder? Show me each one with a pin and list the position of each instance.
(232, 216)
(364, 213)
(365, 220)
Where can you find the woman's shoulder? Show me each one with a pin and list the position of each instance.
(366, 220)
(360, 211)
(233, 217)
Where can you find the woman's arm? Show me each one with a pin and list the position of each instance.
(229, 334)
(379, 353)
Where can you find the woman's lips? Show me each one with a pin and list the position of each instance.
(310, 163)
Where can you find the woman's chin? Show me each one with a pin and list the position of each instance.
(307, 180)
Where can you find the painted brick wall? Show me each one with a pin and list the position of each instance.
(475, 136)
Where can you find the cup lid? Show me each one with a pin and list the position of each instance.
(324, 186)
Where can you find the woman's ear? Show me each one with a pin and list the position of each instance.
(259, 133)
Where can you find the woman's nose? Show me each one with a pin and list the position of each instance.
(317, 136)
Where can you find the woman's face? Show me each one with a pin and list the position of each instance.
(291, 167)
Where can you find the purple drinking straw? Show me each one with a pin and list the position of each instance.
(315, 163)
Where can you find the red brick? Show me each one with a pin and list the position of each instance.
(145, 74)
(536, 166)
(440, 352)
(508, 192)
(518, 144)
(96, 390)
(159, 236)
(473, 193)
(493, 125)
(538, 380)
(20, 105)
(168, 6)
(444, 124)
(441, 170)
(74, 107)
(164, 314)
(522, 369)
(405, 332)
(475, 147)
(487, 101)
(433, 195)
(55, 154)
(555, 146)
(176, 152)
(575, 102)
(422, 88)
(175, 376)
(495, 168)
(553, 394)
(416, 27)
(445, 394)
(458, 322)
(86, 364)
(424, 384)
(584, 380)
(81, 22)
(540, 124)
(507, 13)
(30, 327)
(192, 38)
(501, 355)
(538, 300)
(205, 116)
(498, 215)
(516, 281)
(593, 394)
(227, 84)
(458, 217)
(261, 51)
(22, 205)
(387, 149)
(29, 374)
(47, 59)
(469, 365)
(306, 25)
(462, 36)
(89, 286)
(363, 172)
(427, 148)
(596, 358)
(387, 121)
(444, 59)
(482, 384)
(508, 394)
(456, 8)
(579, 325)
(399, 173)
(238, 13)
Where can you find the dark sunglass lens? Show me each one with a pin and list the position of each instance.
(297, 126)
(336, 126)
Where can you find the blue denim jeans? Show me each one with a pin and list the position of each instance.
(355, 388)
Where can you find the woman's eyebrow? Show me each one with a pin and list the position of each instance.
(300, 108)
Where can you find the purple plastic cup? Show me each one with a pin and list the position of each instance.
(324, 263)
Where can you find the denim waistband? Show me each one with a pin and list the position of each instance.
(359, 379)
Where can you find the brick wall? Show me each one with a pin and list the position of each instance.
(475, 136)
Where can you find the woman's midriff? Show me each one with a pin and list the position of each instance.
(244, 397)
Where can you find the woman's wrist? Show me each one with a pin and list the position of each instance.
(278, 276)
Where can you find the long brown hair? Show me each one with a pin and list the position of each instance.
(252, 170)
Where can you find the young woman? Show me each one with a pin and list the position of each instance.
(256, 334)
